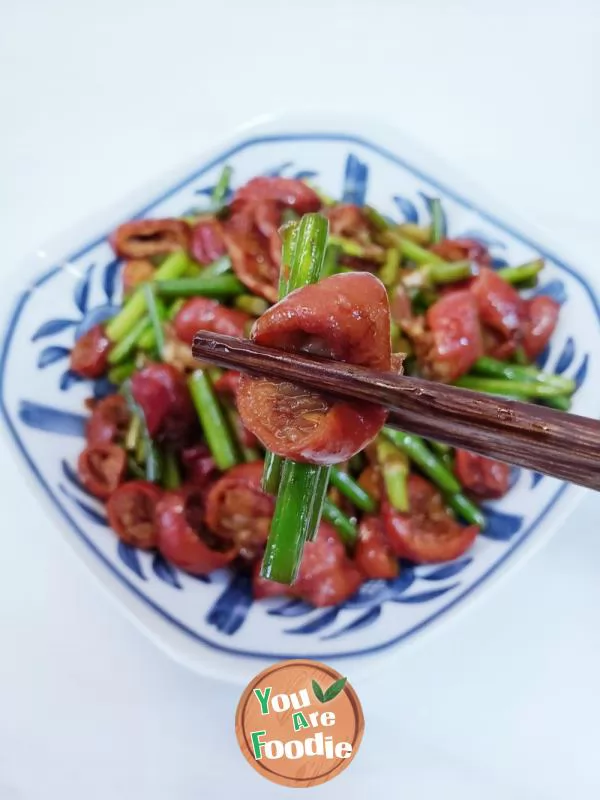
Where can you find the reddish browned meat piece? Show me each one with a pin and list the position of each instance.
(463, 250)
(202, 314)
(326, 576)
(427, 533)
(163, 395)
(499, 304)
(89, 356)
(238, 510)
(136, 271)
(541, 318)
(483, 477)
(452, 341)
(207, 241)
(251, 253)
(373, 555)
(287, 192)
(101, 468)
(345, 317)
(144, 238)
(183, 537)
(199, 466)
(131, 512)
(109, 421)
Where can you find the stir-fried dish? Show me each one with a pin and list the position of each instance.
(312, 495)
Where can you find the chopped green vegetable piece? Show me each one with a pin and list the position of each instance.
(157, 313)
(493, 368)
(216, 430)
(523, 272)
(466, 509)
(318, 498)
(438, 221)
(304, 250)
(332, 257)
(416, 449)
(413, 251)
(221, 189)
(135, 307)
(125, 347)
(513, 388)
(291, 520)
(352, 490)
(121, 372)
(560, 402)
(343, 524)
(251, 304)
(220, 267)
(219, 287)
(171, 477)
(146, 449)
(395, 470)
(377, 220)
(390, 270)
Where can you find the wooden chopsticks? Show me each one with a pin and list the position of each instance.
(552, 442)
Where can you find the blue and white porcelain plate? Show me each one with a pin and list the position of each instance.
(213, 625)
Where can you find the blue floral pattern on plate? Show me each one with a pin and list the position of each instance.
(42, 405)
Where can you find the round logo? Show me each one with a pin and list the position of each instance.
(299, 723)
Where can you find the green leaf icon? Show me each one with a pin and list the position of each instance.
(334, 690)
(318, 692)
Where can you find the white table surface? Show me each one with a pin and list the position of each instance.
(95, 99)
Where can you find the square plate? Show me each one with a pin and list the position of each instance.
(211, 624)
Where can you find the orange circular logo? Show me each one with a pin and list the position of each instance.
(299, 723)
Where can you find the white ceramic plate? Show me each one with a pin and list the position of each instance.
(213, 626)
